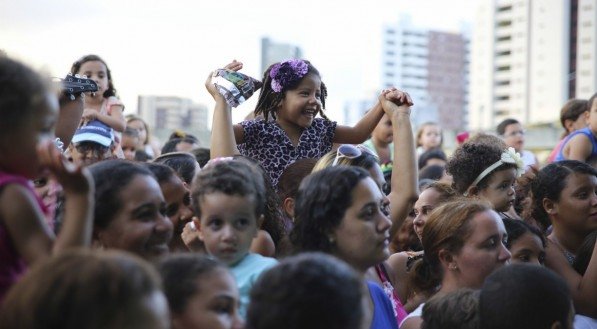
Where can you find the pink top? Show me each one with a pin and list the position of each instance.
(12, 265)
(388, 289)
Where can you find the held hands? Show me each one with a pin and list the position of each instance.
(74, 179)
(395, 101)
(211, 88)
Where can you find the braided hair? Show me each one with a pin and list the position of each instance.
(269, 100)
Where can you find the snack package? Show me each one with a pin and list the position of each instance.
(235, 86)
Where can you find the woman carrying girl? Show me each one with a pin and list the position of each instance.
(292, 95)
(402, 193)
(341, 211)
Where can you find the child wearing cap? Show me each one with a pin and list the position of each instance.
(92, 143)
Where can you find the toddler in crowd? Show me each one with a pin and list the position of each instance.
(201, 293)
(429, 137)
(228, 197)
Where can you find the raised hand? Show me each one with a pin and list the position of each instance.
(211, 88)
(73, 178)
(393, 100)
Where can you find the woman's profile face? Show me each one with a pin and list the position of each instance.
(362, 238)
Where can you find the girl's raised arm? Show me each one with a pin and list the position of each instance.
(224, 135)
(404, 188)
(362, 130)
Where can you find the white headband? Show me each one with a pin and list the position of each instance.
(508, 156)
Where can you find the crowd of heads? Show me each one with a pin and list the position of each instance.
(172, 228)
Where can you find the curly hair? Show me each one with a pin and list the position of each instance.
(321, 203)
(311, 290)
(111, 91)
(110, 177)
(549, 183)
(230, 177)
(269, 100)
(22, 92)
(471, 158)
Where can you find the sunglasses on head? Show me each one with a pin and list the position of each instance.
(350, 152)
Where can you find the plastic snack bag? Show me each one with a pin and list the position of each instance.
(235, 86)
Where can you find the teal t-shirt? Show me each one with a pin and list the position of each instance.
(246, 273)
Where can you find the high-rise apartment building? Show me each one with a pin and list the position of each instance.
(272, 52)
(586, 49)
(432, 67)
(528, 58)
(165, 114)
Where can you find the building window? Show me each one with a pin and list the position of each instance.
(503, 53)
(503, 68)
(504, 8)
(504, 38)
(390, 31)
(504, 23)
(503, 83)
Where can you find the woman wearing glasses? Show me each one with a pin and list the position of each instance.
(402, 192)
(341, 211)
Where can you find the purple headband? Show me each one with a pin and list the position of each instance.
(287, 73)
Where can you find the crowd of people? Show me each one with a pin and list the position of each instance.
(288, 219)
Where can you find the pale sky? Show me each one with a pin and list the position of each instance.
(168, 48)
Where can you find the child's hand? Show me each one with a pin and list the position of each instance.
(234, 66)
(190, 237)
(74, 179)
(89, 114)
(393, 100)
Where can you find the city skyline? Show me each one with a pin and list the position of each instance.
(154, 48)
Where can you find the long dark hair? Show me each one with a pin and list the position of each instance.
(321, 203)
(111, 91)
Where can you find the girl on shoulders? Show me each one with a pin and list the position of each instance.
(291, 98)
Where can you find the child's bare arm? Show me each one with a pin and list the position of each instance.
(224, 135)
(25, 224)
(115, 120)
(404, 188)
(579, 148)
(362, 130)
(78, 190)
